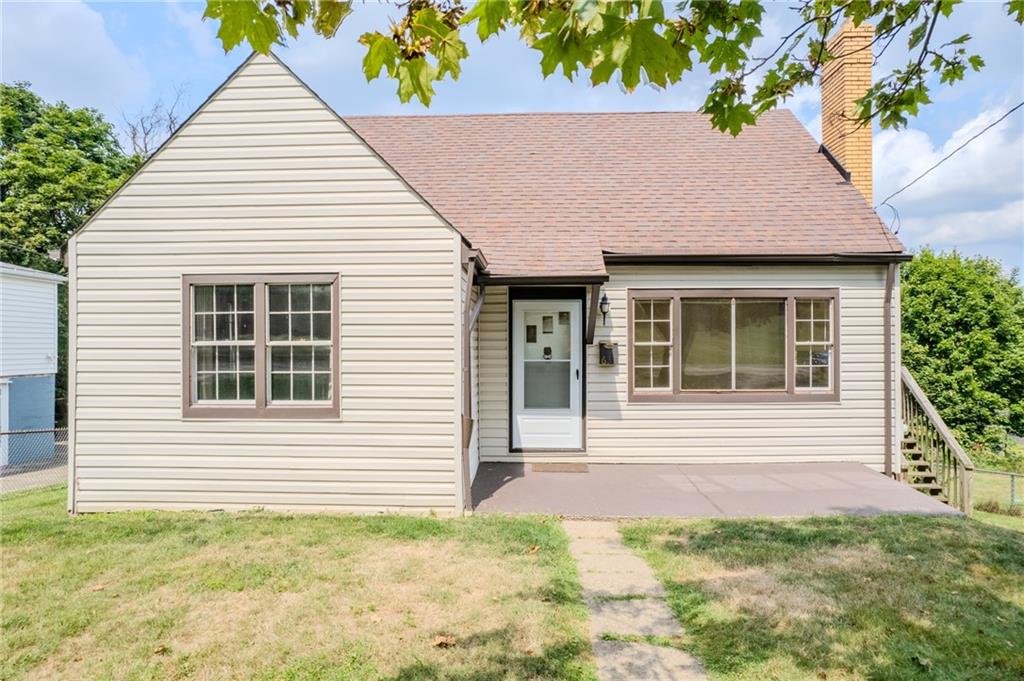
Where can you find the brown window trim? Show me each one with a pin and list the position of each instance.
(790, 394)
(260, 408)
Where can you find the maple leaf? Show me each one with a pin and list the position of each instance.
(444, 641)
(329, 15)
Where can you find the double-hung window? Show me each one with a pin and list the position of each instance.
(223, 344)
(652, 344)
(733, 345)
(814, 343)
(260, 346)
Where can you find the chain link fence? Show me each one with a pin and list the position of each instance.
(1000, 487)
(33, 458)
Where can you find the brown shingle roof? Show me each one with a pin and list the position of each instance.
(548, 194)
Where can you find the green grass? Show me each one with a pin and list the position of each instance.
(843, 598)
(989, 487)
(1010, 522)
(156, 595)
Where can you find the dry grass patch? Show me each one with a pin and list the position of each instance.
(764, 594)
(271, 596)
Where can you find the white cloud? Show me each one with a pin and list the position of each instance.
(986, 173)
(65, 50)
(202, 35)
(972, 201)
(967, 228)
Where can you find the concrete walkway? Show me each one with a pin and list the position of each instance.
(626, 599)
(15, 480)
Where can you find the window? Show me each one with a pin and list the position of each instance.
(223, 344)
(733, 344)
(299, 342)
(652, 343)
(814, 343)
(752, 344)
(260, 346)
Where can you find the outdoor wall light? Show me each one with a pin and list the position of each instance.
(604, 306)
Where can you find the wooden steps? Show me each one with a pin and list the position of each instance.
(917, 471)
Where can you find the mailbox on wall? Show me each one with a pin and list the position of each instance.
(607, 353)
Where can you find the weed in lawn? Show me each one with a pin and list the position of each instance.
(621, 597)
(993, 506)
(664, 641)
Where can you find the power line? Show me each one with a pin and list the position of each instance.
(949, 155)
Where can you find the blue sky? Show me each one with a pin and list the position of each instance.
(120, 57)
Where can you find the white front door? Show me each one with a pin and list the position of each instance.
(547, 405)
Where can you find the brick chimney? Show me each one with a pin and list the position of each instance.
(843, 81)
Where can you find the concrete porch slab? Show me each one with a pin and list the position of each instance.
(698, 491)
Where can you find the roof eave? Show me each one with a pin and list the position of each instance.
(758, 259)
(541, 279)
(12, 270)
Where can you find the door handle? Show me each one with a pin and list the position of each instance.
(577, 374)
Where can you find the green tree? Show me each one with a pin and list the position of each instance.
(57, 165)
(963, 339)
(637, 41)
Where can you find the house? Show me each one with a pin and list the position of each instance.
(289, 309)
(28, 360)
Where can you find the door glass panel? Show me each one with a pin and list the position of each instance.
(554, 342)
(546, 384)
(546, 341)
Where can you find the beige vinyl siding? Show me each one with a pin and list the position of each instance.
(619, 431)
(492, 353)
(265, 179)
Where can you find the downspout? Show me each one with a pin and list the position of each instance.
(890, 278)
(470, 314)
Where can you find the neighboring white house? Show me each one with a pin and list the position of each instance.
(28, 350)
(287, 309)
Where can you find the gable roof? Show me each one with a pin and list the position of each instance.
(269, 65)
(549, 194)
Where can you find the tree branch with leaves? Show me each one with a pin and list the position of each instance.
(636, 42)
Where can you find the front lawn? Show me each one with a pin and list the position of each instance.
(273, 596)
(843, 598)
(1010, 522)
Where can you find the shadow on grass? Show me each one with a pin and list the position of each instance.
(900, 597)
(482, 657)
(497, 661)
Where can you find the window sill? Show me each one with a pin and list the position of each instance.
(235, 412)
(731, 396)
